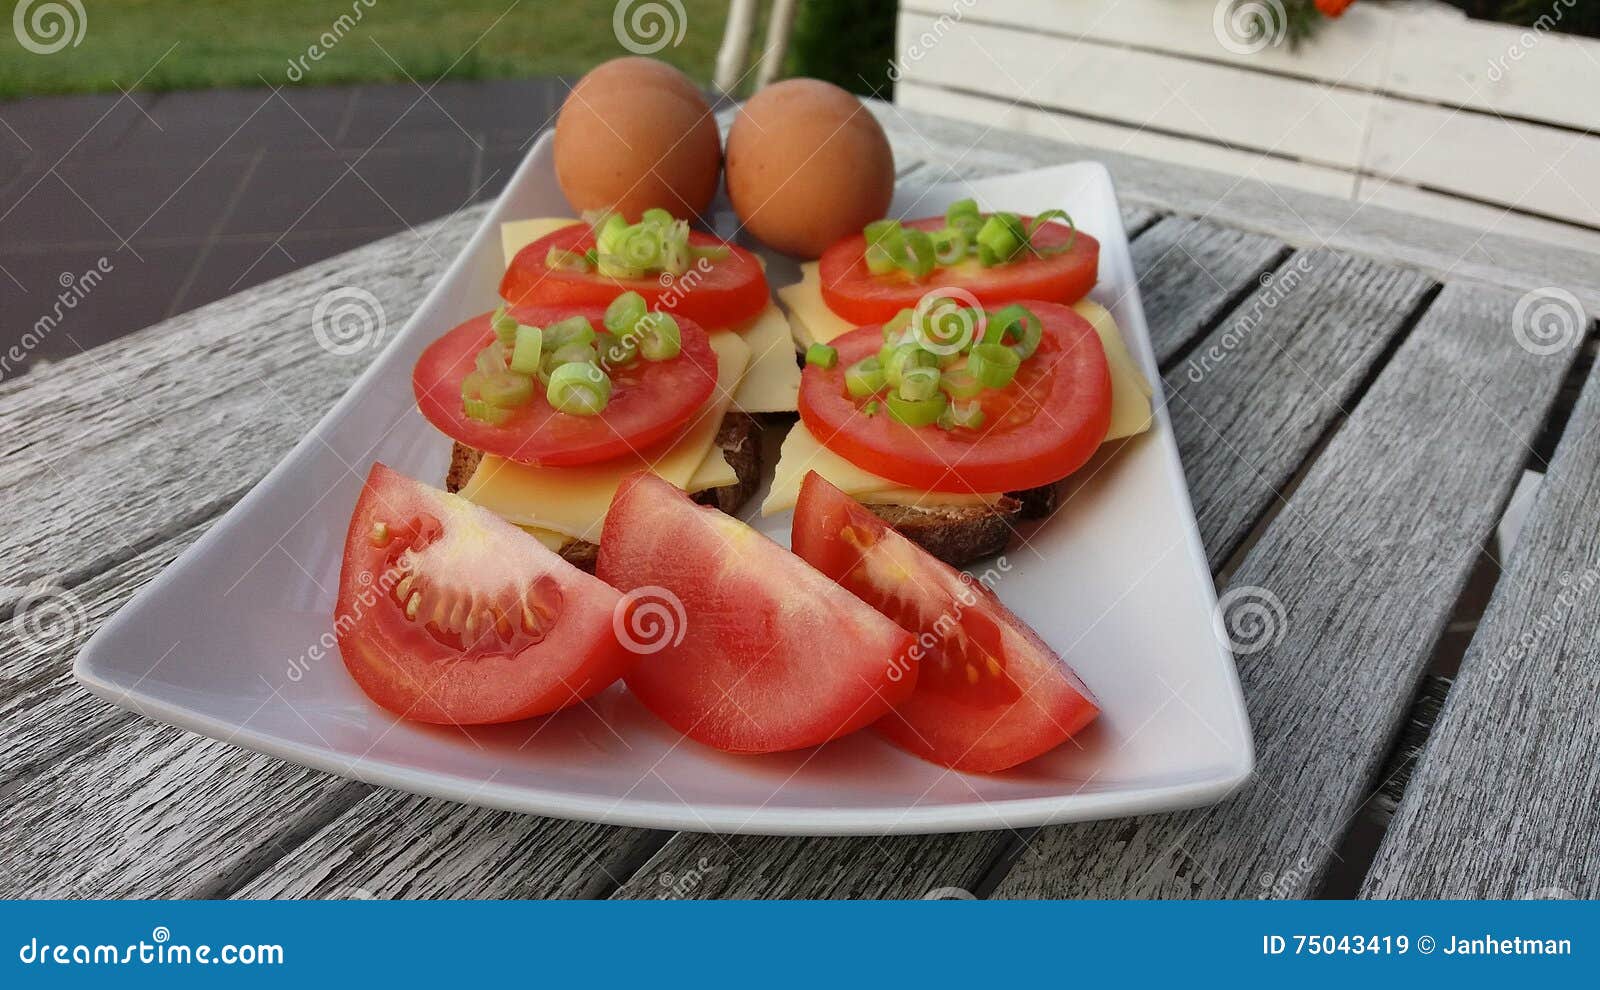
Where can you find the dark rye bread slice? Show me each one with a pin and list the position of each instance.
(740, 440)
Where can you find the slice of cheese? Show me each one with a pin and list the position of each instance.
(802, 452)
(518, 234)
(810, 319)
(1130, 393)
(772, 382)
(573, 501)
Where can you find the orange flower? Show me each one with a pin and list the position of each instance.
(1333, 8)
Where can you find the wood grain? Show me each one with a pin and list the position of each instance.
(1505, 802)
(1364, 567)
(1191, 272)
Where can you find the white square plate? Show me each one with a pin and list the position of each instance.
(226, 641)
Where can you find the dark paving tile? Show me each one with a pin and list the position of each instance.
(188, 127)
(497, 167)
(314, 194)
(496, 112)
(88, 201)
(131, 296)
(234, 267)
(47, 127)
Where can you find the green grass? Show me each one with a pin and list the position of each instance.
(242, 42)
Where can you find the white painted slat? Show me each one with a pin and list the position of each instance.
(1529, 166)
(1351, 52)
(1219, 103)
(1497, 220)
(1128, 140)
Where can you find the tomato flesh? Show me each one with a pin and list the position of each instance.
(716, 294)
(650, 400)
(750, 650)
(990, 693)
(853, 292)
(1037, 430)
(448, 614)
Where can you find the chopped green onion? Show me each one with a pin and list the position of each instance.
(506, 389)
(608, 230)
(618, 350)
(916, 412)
(822, 355)
(903, 357)
(897, 325)
(949, 246)
(864, 378)
(675, 254)
(572, 330)
(999, 239)
(1020, 323)
(505, 326)
(919, 260)
(560, 259)
(886, 246)
(961, 414)
(470, 385)
(492, 359)
(948, 327)
(994, 365)
(639, 247)
(919, 383)
(573, 353)
(960, 384)
(963, 213)
(715, 253)
(580, 389)
(870, 409)
(527, 350)
(659, 337)
(657, 216)
(1046, 217)
(484, 412)
(624, 312)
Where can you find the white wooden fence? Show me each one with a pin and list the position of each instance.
(1410, 105)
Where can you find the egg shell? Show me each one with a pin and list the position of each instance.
(807, 164)
(636, 134)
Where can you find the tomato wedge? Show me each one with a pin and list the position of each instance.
(448, 614)
(716, 294)
(650, 400)
(1037, 430)
(750, 650)
(990, 694)
(854, 293)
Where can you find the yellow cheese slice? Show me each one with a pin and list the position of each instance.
(573, 501)
(554, 541)
(802, 452)
(1130, 393)
(772, 382)
(518, 234)
(810, 319)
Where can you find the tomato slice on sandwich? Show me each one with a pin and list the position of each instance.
(1037, 428)
(852, 291)
(990, 694)
(747, 648)
(717, 293)
(448, 614)
(648, 400)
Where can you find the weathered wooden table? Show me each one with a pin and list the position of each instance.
(1355, 394)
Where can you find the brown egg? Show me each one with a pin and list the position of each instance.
(634, 134)
(807, 165)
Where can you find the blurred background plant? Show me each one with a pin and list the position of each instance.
(850, 43)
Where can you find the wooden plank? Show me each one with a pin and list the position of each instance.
(1360, 573)
(248, 368)
(394, 845)
(1505, 802)
(1021, 117)
(1191, 272)
(1531, 167)
(1328, 326)
(1301, 219)
(1499, 220)
(1145, 89)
